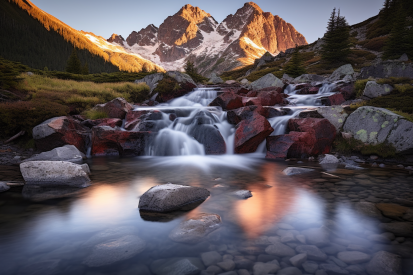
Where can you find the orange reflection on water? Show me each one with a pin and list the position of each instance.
(268, 204)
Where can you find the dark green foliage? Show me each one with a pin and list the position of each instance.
(400, 100)
(359, 86)
(375, 44)
(193, 72)
(9, 73)
(397, 43)
(24, 115)
(295, 67)
(24, 39)
(136, 94)
(74, 65)
(85, 69)
(349, 146)
(336, 47)
(166, 85)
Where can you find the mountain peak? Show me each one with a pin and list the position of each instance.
(116, 38)
(253, 5)
(193, 14)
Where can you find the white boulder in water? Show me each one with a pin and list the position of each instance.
(195, 229)
(329, 159)
(290, 171)
(55, 173)
(66, 153)
(170, 197)
(243, 194)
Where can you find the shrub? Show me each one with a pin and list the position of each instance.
(395, 80)
(375, 44)
(135, 92)
(166, 85)
(359, 86)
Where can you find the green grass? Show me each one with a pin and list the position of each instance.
(94, 114)
(359, 86)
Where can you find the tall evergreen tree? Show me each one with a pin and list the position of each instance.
(295, 66)
(74, 65)
(189, 67)
(336, 47)
(85, 69)
(398, 41)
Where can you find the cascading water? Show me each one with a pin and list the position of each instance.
(188, 123)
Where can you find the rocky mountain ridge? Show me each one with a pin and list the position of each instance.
(193, 34)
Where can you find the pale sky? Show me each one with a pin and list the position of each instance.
(104, 17)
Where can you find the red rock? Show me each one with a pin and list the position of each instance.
(236, 116)
(270, 98)
(111, 122)
(243, 91)
(250, 133)
(314, 90)
(348, 91)
(308, 91)
(252, 94)
(107, 141)
(336, 99)
(320, 129)
(60, 131)
(283, 146)
(116, 108)
(228, 101)
(248, 101)
(135, 118)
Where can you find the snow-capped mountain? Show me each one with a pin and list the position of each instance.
(194, 34)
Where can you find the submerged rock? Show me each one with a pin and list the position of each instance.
(114, 251)
(195, 229)
(66, 153)
(329, 159)
(55, 173)
(170, 197)
(177, 266)
(243, 194)
(279, 249)
(384, 263)
(290, 171)
(4, 187)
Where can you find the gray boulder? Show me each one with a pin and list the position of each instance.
(170, 197)
(243, 194)
(388, 69)
(151, 80)
(404, 58)
(244, 81)
(335, 114)
(215, 79)
(115, 251)
(329, 159)
(308, 78)
(370, 124)
(55, 173)
(195, 229)
(287, 78)
(402, 136)
(181, 77)
(374, 90)
(177, 266)
(66, 153)
(268, 80)
(3, 186)
(290, 171)
(341, 73)
(384, 263)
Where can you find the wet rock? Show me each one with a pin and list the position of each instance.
(265, 268)
(333, 100)
(195, 229)
(279, 249)
(322, 131)
(139, 121)
(341, 73)
(270, 96)
(374, 90)
(333, 269)
(46, 267)
(177, 266)
(335, 115)
(290, 171)
(107, 141)
(393, 211)
(353, 257)
(211, 258)
(384, 263)
(290, 145)
(55, 173)
(243, 264)
(251, 133)
(268, 80)
(115, 251)
(317, 236)
(348, 91)
(308, 78)
(312, 251)
(400, 229)
(38, 193)
(310, 266)
(387, 69)
(298, 260)
(3, 187)
(116, 108)
(230, 273)
(109, 234)
(66, 153)
(368, 209)
(60, 131)
(227, 265)
(236, 116)
(170, 197)
(290, 271)
(329, 159)
(211, 138)
(228, 101)
(243, 194)
(111, 122)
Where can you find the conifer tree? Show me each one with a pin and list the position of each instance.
(189, 68)
(398, 41)
(295, 67)
(85, 69)
(73, 63)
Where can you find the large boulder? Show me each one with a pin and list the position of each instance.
(66, 153)
(228, 101)
(215, 79)
(60, 131)
(237, 115)
(320, 139)
(283, 146)
(55, 173)
(388, 69)
(402, 137)
(308, 78)
(151, 80)
(268, 80)
(371, 125)
(384, 263)
(170, 197)
(250, 133)
(333, 100)
(336, 115)
(111, 122)
(211, 138)
(195, 229)
(270, 96)
(374, 90)
(181, 77)
(107, 141)
(341, 73)
(141, 121)
(116, 108)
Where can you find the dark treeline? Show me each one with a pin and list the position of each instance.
(26, 40)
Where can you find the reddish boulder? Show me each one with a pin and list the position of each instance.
(134, 118)
(336, 99)
(60, 131)
(107, 141)
(243, 91)
(294, 144)
(270, 112)
(236, 116)
(248, 101)
(252, 94)
(321, 139)
(347, 91)
(228, 101)
(117, 108)
(250, 133)
(270, 98)
(111, 122)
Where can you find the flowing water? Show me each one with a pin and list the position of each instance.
(56, 231)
